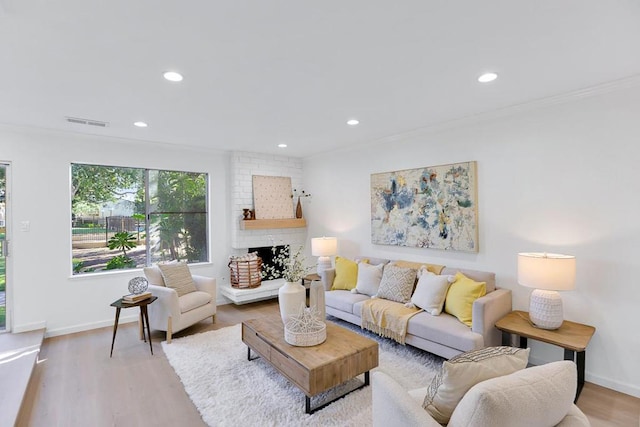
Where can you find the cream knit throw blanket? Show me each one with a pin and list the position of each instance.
(387, 318)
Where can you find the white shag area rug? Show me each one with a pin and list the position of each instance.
(229, 390)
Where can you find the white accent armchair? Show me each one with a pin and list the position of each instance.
(541, 395)
(171, 313)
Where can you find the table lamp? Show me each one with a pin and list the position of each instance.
(324, 247)
(547, 273)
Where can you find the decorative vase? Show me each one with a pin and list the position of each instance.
(299, 209)
(316, 299)
(291, 297)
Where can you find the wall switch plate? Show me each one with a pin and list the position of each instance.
(25, 225)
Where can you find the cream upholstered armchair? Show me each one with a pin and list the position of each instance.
(537, 396)
(183, 299)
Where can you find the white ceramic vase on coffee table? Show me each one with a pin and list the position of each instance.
(291, 298)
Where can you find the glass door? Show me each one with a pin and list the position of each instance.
(3, 247)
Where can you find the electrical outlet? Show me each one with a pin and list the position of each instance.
(25, 226)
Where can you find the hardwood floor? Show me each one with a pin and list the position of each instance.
(76, 383)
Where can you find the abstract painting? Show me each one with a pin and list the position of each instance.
(431, 207)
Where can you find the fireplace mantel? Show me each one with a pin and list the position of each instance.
(263, 224)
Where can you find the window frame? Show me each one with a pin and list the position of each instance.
(145, 172)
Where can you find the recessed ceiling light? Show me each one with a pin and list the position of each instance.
(282, 145)
(140, 124)
(487, 77)
(172, 76)
(353, 122)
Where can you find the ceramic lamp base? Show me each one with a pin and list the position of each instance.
(324, 263)
(545, 309)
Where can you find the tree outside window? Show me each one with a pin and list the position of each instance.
(130, 217)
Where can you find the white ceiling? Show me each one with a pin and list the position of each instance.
(261, 72)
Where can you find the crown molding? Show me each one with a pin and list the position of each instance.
(41, 130)
(473, 119)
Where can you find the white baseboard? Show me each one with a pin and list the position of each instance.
(29, 327)
(89, 326)
(630, 389)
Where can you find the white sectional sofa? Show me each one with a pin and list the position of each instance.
(444, 334)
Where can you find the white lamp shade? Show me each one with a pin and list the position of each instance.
(324, 246)
(547, 271)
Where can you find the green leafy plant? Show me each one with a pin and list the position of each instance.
(292, 267)
(120, 261)
(77, 265)
(123, 241)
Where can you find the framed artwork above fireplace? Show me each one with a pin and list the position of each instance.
(272, 197)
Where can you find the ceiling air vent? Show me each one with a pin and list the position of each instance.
(87, 122)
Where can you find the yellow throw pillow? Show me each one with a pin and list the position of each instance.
(434, 268)
(346, 274)
(461, 295)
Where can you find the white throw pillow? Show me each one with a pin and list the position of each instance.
(369, 277)
(431, 292)
(465, 370)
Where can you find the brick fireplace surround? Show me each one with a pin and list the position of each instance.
(243, 165)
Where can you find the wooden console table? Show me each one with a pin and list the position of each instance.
(572, 337)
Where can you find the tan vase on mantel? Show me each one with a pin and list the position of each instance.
(299, 209)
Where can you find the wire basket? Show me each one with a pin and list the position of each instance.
(245, 274)
(306, 339)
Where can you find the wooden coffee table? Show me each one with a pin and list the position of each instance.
(343, 356)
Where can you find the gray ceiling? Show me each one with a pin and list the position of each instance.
(261, 72)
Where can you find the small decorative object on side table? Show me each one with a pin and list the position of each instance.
(144, 318)
(572, 337)
(138, 285)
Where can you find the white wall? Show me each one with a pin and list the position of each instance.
(41, 289)
(557, 178)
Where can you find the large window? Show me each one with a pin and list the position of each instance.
(129, 217)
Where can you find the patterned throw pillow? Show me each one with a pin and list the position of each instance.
(397, 283)
(462, 372)
(178, 277)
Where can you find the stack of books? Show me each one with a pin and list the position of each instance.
(133, 298)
